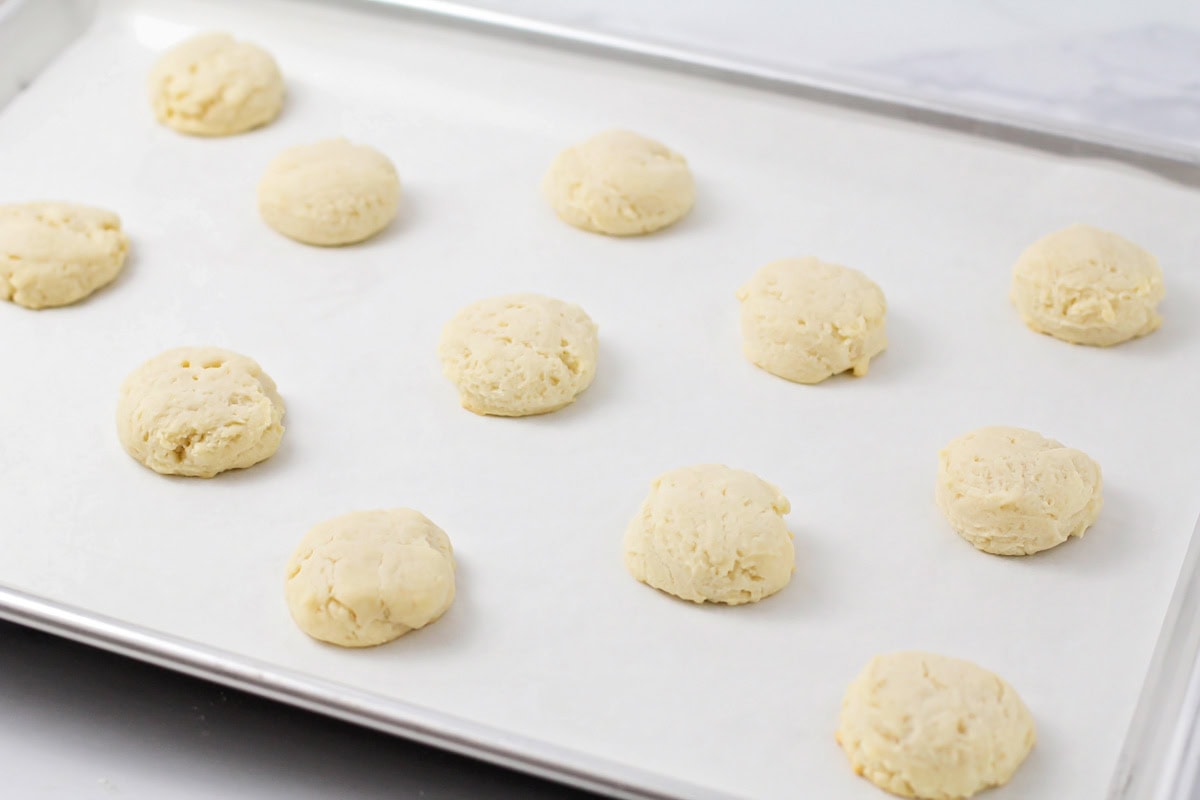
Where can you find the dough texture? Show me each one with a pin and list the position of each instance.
(1088, 286)
(1014, 492)
(54, 254)
(713, 534)
(519, 354)
(199, 411)
(619, 183)
(805, 320)
(212, 85)
(329, 193)
(369, 577)
(933, 727)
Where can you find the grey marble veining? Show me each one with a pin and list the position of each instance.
(1106, 69)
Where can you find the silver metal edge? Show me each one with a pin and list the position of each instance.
(32, 34)
(411, 721)
(1158, 760)
(1024, 130)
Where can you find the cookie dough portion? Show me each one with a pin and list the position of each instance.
(199, 411)
(55, 254)
(933, 727)
(1088, 286)
(1013, 492)
(619, 183)
(212, 85)
(369, 577)
(806, 320)
(712, 534)
(520, 354)
(329, 193)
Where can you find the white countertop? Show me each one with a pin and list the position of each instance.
(1126, 69)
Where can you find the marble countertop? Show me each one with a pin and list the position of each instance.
(1112, 70)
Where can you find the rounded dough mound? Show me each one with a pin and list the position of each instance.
(713, 534)
(329, 193)
(520, 354)
(1088, 286)
(369, 577)
(619, 183)
(805, 320)
(1014, 492)
(55, 254)
(199, 411)
(212, 85)
(933, 727)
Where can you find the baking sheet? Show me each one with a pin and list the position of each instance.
(549, 639)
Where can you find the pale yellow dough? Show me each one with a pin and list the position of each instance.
(333, 192)
(806, 320)
(619, 183)
(369, 577)
(55, 254)
(712, 534)
(199, 411)
(520, 354)
(1014, 492)
(933, 727)
(1088, 286)
(212, 85)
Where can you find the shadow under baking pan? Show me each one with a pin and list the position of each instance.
(181, 731)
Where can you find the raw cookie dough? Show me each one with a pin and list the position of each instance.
(199, 411)
(212, 85)
(329, 193)
(1014, 492)
(933, 727)
(805, 320)
(1088, 286)
(519, 354)
(369, 577)
(54, 254)
(713, 534)
(619, 183)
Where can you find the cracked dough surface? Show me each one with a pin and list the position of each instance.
(369, 577)
(519, 354)
(1012, 492)
(332, 192)
(806, 320)
(55, 254)
(619, 183)
(199, 411)
(1088, 286)
(213, 85)
(929, 726)
(710, 533)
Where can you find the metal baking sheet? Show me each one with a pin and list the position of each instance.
(552, 658)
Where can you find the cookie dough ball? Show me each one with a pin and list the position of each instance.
(54, 254)
(1088, 286)
(711, 534)
(329, 193)
(805, 320)
(1014, 492)
(933, 727)
(519, 355)
(369, 577)
(199, 411)
(212, 85)
(619, 183)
